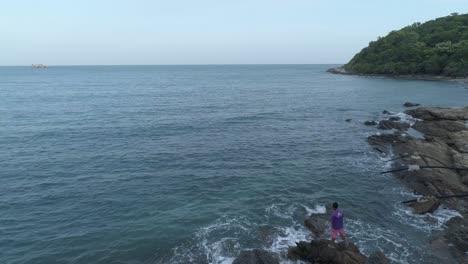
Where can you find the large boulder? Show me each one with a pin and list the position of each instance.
(378, 258)
(327, 252)
(256, 256)
(317, 223)
(389, 124)
(425, 205)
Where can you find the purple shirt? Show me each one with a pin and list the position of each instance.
(337, 219)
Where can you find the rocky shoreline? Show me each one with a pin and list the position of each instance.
(433, 164)
(421, 77)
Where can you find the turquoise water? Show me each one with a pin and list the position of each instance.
(191, 164)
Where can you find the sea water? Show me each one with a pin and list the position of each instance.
(192, 164)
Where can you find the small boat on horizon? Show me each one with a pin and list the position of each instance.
(38, 66)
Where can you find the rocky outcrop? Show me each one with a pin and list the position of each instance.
(409, 104)
(370, 123)
(325, 251)
(425, 205)
(317, 223)
(339, 70)
(439, 113)
(256, 256)
(389, 124)
(445, 144)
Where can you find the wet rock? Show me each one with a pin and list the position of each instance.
(457, 233)
(325, 251)
(394, 118)
(439, 128)
(389, 124)
(385, 112)
(317, 224)
(425, 205)
(256, 256)
(438, 113)
(370, 123)
(409, 104)
(378, 258)
(348, 120)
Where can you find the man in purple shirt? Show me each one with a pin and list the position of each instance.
(336, 220)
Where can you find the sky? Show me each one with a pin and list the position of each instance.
(140, 32)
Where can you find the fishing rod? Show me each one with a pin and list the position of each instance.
(416, 167)
(438, 197)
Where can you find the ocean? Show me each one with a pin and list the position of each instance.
(192, 164)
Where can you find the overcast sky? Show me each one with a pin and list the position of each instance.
(89, 32)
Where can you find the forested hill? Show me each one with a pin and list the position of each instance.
(436, 47)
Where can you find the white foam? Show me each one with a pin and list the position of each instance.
(426, 222)
(369, 237)
(318, 209)
(405, 118)
(288, 236)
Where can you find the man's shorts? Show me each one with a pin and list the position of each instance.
(336, 232)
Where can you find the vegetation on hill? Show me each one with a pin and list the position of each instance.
(436, 47)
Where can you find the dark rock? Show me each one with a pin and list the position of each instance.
(256, 256)
(348, 120)
(438, 113)
(339, 70)
(384, 140)
(388, 124)
(425, 205)
(370, 123)
(385, 112)
(457, 233)
(317, 223)
(394, 118)
(409, 104)
(325, 251)
(378, 258)
(439, 128)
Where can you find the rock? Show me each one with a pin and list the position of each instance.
(439, 128)
(409, 104)
(325, 251)
(317, 224)
(388, 124)
(385, 112)
(457, 233)
(438, 113)
(338, 70)
(378, 258)
(394, 118)
(425, 205)
(256, 256)
(370, 123)
(348, 120)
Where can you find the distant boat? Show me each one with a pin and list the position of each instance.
(39, 66)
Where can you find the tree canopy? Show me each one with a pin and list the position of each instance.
(436, 47)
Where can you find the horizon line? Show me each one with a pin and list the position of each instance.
(189, 64)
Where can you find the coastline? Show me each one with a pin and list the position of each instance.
(420, 77)
(444, 145)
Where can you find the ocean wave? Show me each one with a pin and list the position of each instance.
(318, 209)
(427, 222)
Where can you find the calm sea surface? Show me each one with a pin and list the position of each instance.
(192, 164)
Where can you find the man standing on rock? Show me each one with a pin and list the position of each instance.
(336, 220)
